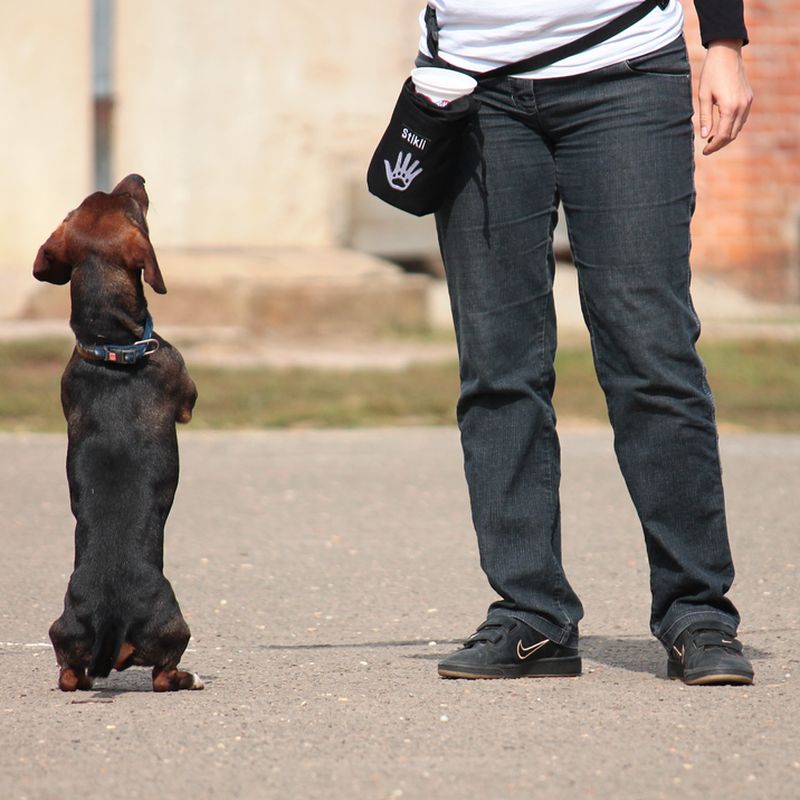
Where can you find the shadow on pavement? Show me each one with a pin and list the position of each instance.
(632, 653)
(358, 645)
(637, 654)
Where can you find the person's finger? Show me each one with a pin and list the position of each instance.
(727, 125)
(741, 117)
(706, 114)
(712, 132)
(725, 120)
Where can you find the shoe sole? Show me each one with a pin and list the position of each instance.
(543, 668)
(675, 673)
(717, 678)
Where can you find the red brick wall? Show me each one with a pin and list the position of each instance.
(747, 223)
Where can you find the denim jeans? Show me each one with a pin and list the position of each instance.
(615, 146)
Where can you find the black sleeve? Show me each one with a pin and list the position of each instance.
(721, 19)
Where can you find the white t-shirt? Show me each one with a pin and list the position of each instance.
(479, 35)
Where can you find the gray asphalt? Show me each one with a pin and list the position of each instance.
(323, 573)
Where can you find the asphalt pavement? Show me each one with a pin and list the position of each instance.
(323, 573)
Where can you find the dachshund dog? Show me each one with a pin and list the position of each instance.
(122, 392)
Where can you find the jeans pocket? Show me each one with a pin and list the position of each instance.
(672, 60)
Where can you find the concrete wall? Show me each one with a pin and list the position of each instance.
(45, 129)
(252, 120)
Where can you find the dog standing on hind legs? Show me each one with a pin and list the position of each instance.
(122, 392)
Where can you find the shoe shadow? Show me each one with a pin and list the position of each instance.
(407, 644)
(637, 654)
(623, 652)
(358, 645)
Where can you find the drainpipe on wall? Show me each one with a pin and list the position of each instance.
(102, 91)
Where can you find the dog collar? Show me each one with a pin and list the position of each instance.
(122, 353)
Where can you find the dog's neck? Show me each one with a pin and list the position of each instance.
(108, 305)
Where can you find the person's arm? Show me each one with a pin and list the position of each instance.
(725, 95)
(721, 20)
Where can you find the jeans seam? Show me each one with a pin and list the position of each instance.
(667, 51)
(683, 76)
(544, 365)
(593, 345)
(559, 583)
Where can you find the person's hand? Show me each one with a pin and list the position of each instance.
(725, 95)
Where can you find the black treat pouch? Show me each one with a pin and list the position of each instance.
(416, 160)
(414, 165)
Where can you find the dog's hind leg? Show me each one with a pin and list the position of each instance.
(172, 642)
(72, 653)
(172, 680)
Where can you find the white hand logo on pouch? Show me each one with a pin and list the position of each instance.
(404, 172)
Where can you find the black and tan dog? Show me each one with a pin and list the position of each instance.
(122, 392)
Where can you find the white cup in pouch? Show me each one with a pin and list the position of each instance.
(442, 86)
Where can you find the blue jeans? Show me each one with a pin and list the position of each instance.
(616, 147)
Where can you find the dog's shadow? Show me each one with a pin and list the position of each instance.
(130, 681)
(105, 690)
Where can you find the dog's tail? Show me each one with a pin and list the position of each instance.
(107, 644)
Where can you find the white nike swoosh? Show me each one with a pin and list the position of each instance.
(526, 652)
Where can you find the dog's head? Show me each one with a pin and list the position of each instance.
(112, 227)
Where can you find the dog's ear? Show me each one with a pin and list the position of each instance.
(142, 256)
(134, 186)
(51, 262)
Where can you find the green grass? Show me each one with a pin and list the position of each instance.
(270, 398)
(756, 385)
(30, 377)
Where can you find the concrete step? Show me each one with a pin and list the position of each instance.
(309, 292)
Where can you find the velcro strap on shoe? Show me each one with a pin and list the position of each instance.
(486, 632)
(712, 638)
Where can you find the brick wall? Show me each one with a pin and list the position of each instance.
(747, 224)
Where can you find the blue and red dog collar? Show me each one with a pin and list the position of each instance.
(122, 353)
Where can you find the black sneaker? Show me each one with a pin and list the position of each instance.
(504, 647)
(703, 656)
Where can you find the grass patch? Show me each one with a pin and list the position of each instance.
(30, 384)
(270, 398)
(756, 386)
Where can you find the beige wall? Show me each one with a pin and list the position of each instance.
(251, 120)
(45, 128)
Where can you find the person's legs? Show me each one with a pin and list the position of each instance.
(495, 237)
(624, 159)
